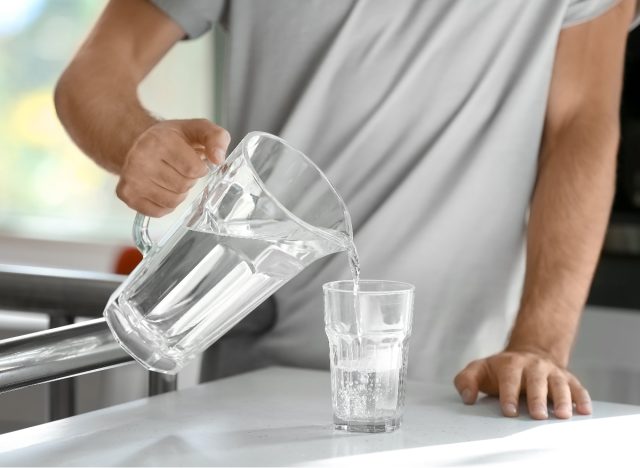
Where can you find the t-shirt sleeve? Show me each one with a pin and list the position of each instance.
(636, 21)
(195, 17)
(581, 11)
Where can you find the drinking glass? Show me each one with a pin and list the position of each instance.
(368, 336)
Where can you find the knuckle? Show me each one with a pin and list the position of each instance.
(459, 379)
(512, 360)
(557, 380)
(153, 137)
(542, 362)
(123, 192)
(537, 367)
(473, 364)
(535, 382)
(224, 135)
(204, 122)
(199, 125)
(537, 363)
(475, 368)
(194, 170)
(534, 374)
(535, 400)
(509, 369)
(576, 385)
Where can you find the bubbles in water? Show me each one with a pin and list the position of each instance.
(369, 395)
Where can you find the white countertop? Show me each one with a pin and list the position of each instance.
(281, 416)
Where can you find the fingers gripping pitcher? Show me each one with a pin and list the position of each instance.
(263, 216)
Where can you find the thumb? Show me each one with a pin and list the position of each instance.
(213, 140)
(468, 381)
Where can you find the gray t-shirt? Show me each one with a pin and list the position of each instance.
(427, 117)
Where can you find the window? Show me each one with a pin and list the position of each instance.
(48, 188)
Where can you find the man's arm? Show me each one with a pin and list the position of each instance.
(97, 102)
(568, 219)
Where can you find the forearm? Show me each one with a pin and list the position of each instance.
(568, 218)
(96, 100)
(96, 97)
(100, 111)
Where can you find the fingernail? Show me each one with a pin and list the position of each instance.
(219, 155)
(563, 411)
(466, 396)
(510, 410)
(540, 411)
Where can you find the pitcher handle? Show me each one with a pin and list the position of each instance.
(141, 234)
(141, 223)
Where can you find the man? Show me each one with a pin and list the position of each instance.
(452, 128)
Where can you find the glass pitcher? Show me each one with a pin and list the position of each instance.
(262, 217)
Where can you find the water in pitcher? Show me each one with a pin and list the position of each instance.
(200, 283)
